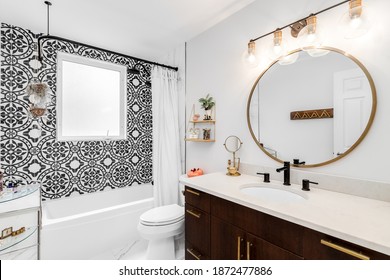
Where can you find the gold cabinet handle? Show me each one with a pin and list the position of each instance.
(248, 250)
(239, 240)
(192, 253)
(344, 250)
(193, 192)
(197, 215)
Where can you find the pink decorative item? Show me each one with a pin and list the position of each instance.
(195, 117)
(195, 172)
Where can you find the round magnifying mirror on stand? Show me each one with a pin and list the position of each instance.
(232, 145)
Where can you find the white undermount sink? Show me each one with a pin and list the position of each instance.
(273, 193)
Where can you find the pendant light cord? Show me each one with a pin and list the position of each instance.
(48, 16)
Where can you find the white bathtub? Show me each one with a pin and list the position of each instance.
(88, 225)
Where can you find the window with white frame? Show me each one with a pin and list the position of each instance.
(91, 99)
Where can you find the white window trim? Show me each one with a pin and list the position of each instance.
(123, 96)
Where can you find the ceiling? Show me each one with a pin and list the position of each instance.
(147, 29)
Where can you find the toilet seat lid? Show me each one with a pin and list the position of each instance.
(163, 215)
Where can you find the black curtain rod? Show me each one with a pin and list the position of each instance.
(287, 25)
(97, 48)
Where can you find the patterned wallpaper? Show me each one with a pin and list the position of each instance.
(28, 148)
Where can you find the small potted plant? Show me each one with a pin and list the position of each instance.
(207, 103)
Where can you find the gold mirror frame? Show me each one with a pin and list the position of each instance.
(238, 141)
(360, 139)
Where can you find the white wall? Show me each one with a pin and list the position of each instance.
(214, 66)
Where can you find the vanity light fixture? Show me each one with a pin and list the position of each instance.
(306, 30)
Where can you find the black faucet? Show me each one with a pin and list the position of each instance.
(286, 169)
(266, 177)
(297, 162)
(306, 184)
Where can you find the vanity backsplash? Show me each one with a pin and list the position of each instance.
(352, 186)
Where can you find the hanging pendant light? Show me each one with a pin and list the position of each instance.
(38, 92)
(355, 22)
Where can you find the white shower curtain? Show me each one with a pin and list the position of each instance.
(166, 141)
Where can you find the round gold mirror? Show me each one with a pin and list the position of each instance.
(232, 144)
(314, 111)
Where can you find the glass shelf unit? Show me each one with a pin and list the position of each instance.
(22, 191)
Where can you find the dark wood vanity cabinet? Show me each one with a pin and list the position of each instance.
(238, 232)
(319, 246)
(220, 229)
(197, 225)
(232, 243)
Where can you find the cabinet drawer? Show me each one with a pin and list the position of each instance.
(282, 233)
(197, 198)
(259, 249)
(193, 254)
(197, 229)
(319, 246)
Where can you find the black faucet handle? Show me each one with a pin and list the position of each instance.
(297, 162)
(306, 184)
(266, 177)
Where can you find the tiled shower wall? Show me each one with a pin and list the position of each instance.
(29, 150)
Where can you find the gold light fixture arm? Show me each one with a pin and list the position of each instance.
(298, 25)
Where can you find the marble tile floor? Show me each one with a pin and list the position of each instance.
(135, 251)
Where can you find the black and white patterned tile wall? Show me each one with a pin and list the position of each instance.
(29, 150)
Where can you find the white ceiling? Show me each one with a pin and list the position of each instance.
(147, 29)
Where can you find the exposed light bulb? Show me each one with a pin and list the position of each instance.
(355, 21)
(250, 57)
(278, 47)
(310, 39)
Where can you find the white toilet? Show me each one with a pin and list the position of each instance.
(159, 226)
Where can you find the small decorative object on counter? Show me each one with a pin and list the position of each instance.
(195, 172)
(206, 133)
(207, 103)
(233, 144)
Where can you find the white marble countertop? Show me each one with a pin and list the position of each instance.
(359, 220)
